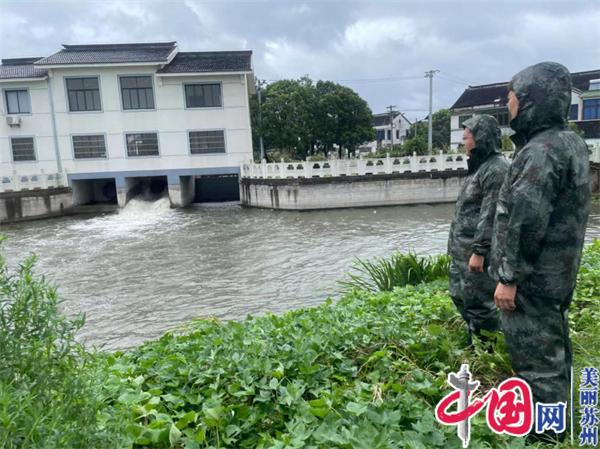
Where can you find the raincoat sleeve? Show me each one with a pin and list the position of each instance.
(534, 185)
(491, 182)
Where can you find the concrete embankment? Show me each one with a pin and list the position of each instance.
(38, 203)
(352, 191)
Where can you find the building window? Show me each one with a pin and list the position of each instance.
(380, 134)
(203, 95)
(136, 92)
(594, 84)
(207, 142)
(397, 134)
(462, 119)
(574, 112)
(17, 101)
(144, 144)
(591, 109)
(83, 94)
(89, 147)
(22, 149)
(389, 134)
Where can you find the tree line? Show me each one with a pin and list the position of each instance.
(300, 118)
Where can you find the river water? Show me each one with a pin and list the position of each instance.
(150, 268)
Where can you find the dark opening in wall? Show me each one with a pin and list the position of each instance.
(94, 191)
(217, 188)
(148, 189)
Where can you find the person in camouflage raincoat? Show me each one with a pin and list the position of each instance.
(539, 230)
(470, 286)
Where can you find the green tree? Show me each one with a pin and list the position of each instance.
(342, 118)
(576, 129)
(300, 117)
(288, 116)
(440, 133)
(506, 143)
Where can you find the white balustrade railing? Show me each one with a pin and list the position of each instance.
(354, 167)
(19, 182)
(367, 166)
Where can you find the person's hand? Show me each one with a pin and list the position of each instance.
(504, 297)
(476, 263)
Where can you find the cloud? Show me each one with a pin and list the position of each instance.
(358, 40)
(372, 34)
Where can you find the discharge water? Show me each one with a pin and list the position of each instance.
(149, 268)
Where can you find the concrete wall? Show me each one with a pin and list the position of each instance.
(351, 191)
(17, 206)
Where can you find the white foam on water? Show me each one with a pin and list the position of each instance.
(137, 215)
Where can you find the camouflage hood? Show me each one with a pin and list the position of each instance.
(544, 93)
(486, 133)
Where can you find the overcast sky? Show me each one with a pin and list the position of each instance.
(379, 48)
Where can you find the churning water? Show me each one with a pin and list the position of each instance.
(150, 268)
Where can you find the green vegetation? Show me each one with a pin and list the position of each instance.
(440, 131)
(396, 271)
(506, 143)
(417, 142)
(50, 387)
(302, 118)
(365, 372)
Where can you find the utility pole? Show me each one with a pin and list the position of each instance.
(429, 74)
(259, 84)
(391, 109)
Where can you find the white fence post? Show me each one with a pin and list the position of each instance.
(263, 168)
(414, 163)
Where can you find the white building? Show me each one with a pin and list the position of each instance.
(113, 116)
(491, 99)
(387, 134)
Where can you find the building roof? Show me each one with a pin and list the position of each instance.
(590, 128)
(581, 80)
(17, 68)
(210, 61)
(383, 119)
(157, 52)
(496, 94)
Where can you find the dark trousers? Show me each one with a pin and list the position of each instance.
(537, 336)
(473, 295)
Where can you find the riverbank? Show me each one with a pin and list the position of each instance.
(365, 372)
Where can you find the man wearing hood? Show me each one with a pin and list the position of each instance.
(539, 229)
(470, 286)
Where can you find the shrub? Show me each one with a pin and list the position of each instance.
(49, 384)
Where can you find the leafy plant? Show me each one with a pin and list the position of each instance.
(365, 372)
(396, 271)
(49, 385)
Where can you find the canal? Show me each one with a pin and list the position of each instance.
(150, 268)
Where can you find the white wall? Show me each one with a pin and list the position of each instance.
(37, 124)
(170, 119)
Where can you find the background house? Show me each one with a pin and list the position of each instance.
(388, 131)
(491, 99)
(115, 118)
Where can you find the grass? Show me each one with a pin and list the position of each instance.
(364, 372)
(396, 271)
